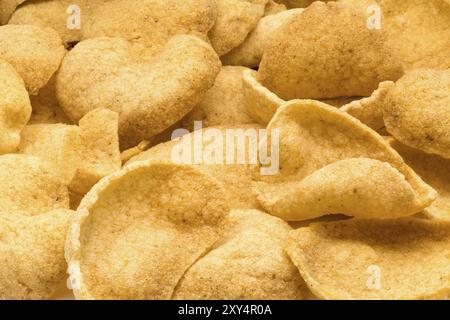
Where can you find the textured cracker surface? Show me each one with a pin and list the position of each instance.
(34, 52)
(247, 263)
(223, 104)
(327, 52)
(412, 255)
(15, 107)
(417, 111)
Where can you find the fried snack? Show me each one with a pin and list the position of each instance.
(81, 155)
(374, 259)
(161, 89)
(248, 263)
(417, 30)
(30, 186)
(32, 251)
(297, 3)
(303, 59)
(370, 110)
(435, 171)
(58, 15)
(45, 106)
(236, 178)
(261, 103)
(150, 23)
(223, 104)
(7, 8)
(250, 52)
(273, 7)
(139, 230)
(235, 20)
(15, 107)
(34, 52)
(330, 163)
(417, 111)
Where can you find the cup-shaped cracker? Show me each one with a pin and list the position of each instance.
(138, 231)
(15, 107)
(34, 52)
(327, 52)
(331, 163)
(160, 89)
(248, 263)
(417, 111)
(405, 258)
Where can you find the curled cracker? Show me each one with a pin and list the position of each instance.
(316, 144)
(374, 259)
(125, 240)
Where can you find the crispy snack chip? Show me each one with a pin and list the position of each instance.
(15, 107)
(250, 52)
(81, 155)
(236, 177)
(374, 259)
(417, 111)
(64, 16)
(162, 89)
(32, 250)
(223, 104)
(34, 52)
(303, 59)
(330, 163)
(370, 110)
(247, 263)
(150, 23)
(435, 171)
(418, 30)
(7, 8)
(235, 20)
(139, 230)
(30, 186)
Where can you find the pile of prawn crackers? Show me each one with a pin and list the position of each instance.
(225, 149)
